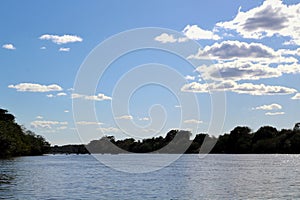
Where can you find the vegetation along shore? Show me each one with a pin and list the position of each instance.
(16, 140)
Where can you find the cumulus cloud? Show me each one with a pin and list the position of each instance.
(46, 124)
(85, 123)
(43, 48)
(246, 61)
(271, 18)
(232, 86)
(64, 39)
(39, 117)
(189, 78)
(125, 117)
(34, 87)
(109, 130)
(238, 70)
(165, 38)
(192, 121)
(274, 113)
(56, 95)
(98, 97)
(195, 87)
(168, 38)
(194, 32)
(66, 111)
(64, 49)
(293, 68)
(297, 96)
(144, 119)
(9, 46)
(261, 89)
(273, 106)
(289, 52)
(50, 95)
(61, 94)
(234, 49)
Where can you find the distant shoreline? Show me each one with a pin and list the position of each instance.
(241, 140)
(17, 141)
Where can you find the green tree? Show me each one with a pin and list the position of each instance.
(16, 141)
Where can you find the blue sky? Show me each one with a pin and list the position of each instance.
(249, 51)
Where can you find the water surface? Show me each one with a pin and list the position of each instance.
(190, 177)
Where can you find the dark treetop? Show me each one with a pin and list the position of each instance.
(240, 140)
(15, 140)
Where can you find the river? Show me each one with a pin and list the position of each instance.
(189, 177)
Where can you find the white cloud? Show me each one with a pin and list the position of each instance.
(246, 61)
(228, 50)
(238, 70)
(56, 95)
(125, 117)
(261, 89)
(61, 127)
(244, 88)
(273, 106)
(64, 49)
(88, 123)
(195, 87)
(9, 46)
(39, 117)
(77, 96)
(192, 121)
(293, 68)
(177, 106)
(274, 113)
(165, 38)
(43, 48)
(289, 42)
(297, 96)
(289, 52)
(144, 119)
(269, 19)
(109, 130)
(46, 124)
(34, 87)
(168, 38)
(66, 111)
(190, 78)
(194, 32)
(98, 97)
(61, 94)
(64, 39)
(50, 95)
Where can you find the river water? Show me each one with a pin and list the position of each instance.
(189, 177)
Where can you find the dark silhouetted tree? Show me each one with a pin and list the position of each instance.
(297, 127)
(17, 141)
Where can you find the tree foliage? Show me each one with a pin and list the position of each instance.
(241, 140)
(16, 140)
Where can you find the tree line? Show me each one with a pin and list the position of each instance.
(241, 140)
(15, 140)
